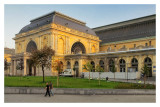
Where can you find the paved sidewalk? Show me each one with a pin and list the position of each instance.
(22, 98)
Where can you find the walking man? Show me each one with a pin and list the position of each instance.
(51, 87)
(47, 89)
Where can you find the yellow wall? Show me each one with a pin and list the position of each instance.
(128, 44)
(60, 40)
(8, 57)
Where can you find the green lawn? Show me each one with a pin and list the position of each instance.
(66, 82)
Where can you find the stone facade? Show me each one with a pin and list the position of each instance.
(75, 44)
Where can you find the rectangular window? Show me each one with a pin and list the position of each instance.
(134, 45)
(149, 43)
(146, 44)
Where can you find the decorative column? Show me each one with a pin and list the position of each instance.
(105, 65)
(25, 66)
(66, 46)
(140, 63)
(116, 64)
(12, 67)
(69, 47)
(39, 42)
(52, 40)
(56, 43)
(15, 64)
(89, 47)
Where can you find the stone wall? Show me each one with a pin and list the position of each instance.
(78, 91)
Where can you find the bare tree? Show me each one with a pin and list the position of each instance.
(57, 65)
(99, 69)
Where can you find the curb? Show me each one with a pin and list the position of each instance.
(78, 91)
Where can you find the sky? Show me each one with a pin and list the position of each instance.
(17, 16)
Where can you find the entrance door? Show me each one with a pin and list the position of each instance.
(29, 64)
(76, 69)
(30, 70)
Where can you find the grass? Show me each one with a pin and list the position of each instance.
(65, 82)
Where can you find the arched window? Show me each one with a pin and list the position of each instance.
(68, 65)
(122, 65)
(101, 63)
(93, 64)
(31, 46)
(78, 48)
(134, 63)
(111, 63)
(148, 62)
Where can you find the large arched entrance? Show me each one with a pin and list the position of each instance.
(78, 48)
(76, 66)
(148, 62)
(31, 46)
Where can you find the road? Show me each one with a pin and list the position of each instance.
(35, 98)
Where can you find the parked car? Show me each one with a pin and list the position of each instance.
(67, 73)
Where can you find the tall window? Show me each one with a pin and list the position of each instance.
(134, 63)
(149, 43)
(148, 62)
(111, 62)
(122, 65)
(68, 65)
(101, 63)
(93, 64)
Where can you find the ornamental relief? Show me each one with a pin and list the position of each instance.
(59, 27)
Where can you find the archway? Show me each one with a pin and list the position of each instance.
(78, 48)
(134, 63)
(148, 62)
(30, 66)
(122, 64)
(31, 46)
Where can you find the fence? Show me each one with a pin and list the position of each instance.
(118, 75)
